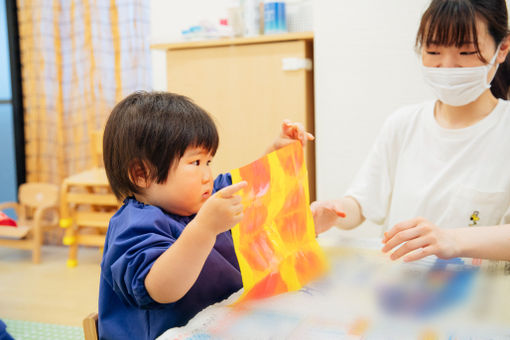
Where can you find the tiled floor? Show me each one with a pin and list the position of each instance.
(27, 330)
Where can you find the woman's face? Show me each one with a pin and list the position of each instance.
(465, 55)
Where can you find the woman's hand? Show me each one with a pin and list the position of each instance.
(290, 133)
(419, 238)
(326, 214)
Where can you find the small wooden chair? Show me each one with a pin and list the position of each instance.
(37, 211)
(90, 327)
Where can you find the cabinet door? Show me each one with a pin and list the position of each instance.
(248, 93)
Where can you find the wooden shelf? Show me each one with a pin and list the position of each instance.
(234, 41)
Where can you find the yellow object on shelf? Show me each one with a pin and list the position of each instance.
(69, 240)
(72, 263)
(65, 223)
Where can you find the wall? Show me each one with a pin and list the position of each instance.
(365, 68)
(169, 17)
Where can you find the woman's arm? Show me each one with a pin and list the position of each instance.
(418, 238)
(484, 242)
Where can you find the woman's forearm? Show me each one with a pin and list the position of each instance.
(491, 243)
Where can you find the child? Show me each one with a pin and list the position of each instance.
(168, 251)
(447, 160)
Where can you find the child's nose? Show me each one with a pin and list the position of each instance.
(206, 175)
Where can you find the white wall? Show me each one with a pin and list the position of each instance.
(169, 17)
(365, 68)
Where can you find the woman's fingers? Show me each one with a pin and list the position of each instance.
(296, 131)
(409, 246)
(419, 254)
(401, 237)
(399, 227)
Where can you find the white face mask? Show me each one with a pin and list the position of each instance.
(457, 86)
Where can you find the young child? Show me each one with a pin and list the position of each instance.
(168, 251)
(445, 160)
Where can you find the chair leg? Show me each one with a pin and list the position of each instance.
(36, 247)
(90, 327)
(72, 261)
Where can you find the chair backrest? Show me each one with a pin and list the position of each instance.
(35, 194)
(90, 327)
(96, 142)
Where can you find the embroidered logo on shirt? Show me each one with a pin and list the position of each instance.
(474, 218)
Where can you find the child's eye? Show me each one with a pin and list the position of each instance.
(197, 162)
(468, 53)
(208, 162)
(432, 52)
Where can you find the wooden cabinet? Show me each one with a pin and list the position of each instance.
(249, 85)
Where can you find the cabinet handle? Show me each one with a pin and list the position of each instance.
(294, 64)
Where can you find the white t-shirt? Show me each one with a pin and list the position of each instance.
(452, 177)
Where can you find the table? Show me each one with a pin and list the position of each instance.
(86, 206)
(366, 295)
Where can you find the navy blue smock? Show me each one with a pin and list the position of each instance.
(137, 235)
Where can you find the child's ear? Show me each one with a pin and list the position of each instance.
(138, 174)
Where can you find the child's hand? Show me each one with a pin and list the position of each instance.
(420, 238)
(290, 133)
(325, 214)
(223, 210)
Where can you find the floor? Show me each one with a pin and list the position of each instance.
(49, 292)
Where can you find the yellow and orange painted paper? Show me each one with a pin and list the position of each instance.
(275, 242)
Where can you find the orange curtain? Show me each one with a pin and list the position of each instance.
(78, 58)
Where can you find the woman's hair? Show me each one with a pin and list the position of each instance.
(150, 131)
(453, 23)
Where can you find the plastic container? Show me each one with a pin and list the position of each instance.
(251, 15)
(275, 20)
(235, 18)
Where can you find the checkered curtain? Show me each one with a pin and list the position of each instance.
(78, 58)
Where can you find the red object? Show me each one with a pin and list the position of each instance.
(7, 221)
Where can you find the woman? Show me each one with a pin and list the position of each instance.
(447, 160)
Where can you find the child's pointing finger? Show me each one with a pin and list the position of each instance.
(229, 191)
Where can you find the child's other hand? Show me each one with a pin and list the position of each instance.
(290, 133)
(223, 210)
(421, 238)
(325, 214)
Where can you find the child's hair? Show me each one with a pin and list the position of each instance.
(149, 132)
(452, 23)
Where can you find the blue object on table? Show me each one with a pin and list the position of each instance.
(440, 288)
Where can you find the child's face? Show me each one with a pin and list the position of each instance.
(188, 186)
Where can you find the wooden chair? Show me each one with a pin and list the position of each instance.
(90, 327)
(37, 211)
